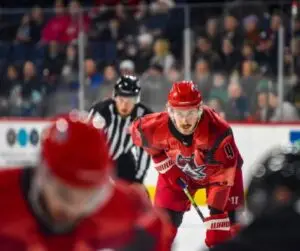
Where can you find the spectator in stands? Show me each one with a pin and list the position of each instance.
(286, 112)
(262, 111)
(37, 22)
(73, 22)
(203, 78)
(54, 28)
(158, 15)
(64, 28)
(204, 50)
(161, 6)
(9, 81)
(138, 31)
(127, 48)
(53, 62)
(69, 71)
(247, 51)
(293, 96)
(213, 34)
(174, 74)
(231, 31)
(276, 21)
(128, 25)
(104, 25)
(31, 82)
(127, 67)
(296, 31)
(30, 27)
(23, 32)
(237, 105)
(29, 95)
(155, 88)
(248, 79)
(268, 46)
(110, 78)
(93, 83)
(144, 54)
(265, 50)
(251, 30)
(94, 78)
(217, 105)
(230, 56)
(296, 54)
(219, 88)
(265, 84)
(162, 54)
(7, 85)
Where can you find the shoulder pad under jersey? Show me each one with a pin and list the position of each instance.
(215, 119)
(145, 128)
(150, 122)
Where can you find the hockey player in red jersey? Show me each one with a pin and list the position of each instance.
(69, 203)
(191, 143)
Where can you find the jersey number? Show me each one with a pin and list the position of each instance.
(229, 151)
(234, 200)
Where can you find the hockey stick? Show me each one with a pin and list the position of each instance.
(190, 197)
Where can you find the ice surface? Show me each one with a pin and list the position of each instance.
(191, 234)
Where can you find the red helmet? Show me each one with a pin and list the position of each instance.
(184, 94)
(76, 152)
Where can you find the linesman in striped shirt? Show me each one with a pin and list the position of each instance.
(116, 115)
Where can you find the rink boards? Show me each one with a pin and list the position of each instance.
(19, 144)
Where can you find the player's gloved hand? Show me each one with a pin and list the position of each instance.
(171, 173)
(217, 229)
(176, 178)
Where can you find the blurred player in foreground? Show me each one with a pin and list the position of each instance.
(273, 202)
(191, 144)
(69, 203)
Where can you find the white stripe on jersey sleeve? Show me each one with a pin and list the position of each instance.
(124, 134)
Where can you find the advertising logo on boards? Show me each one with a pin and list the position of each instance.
(294, 136)
(20, 142)
(22, 137)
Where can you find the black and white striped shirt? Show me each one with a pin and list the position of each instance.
(117, 129)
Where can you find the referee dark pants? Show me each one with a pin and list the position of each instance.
(126, 167)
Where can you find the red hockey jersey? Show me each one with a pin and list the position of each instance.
(126, 222)
(210, 160)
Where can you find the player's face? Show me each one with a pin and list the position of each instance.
(125, 105)
(185, 120)
(66, 204)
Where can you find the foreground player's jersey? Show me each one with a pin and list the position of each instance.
(208, 156)
(118, 224)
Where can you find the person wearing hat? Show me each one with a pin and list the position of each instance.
(127, 67)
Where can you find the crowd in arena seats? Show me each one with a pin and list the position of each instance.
(234, 57)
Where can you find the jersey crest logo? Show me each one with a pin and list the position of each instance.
(188, 166)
